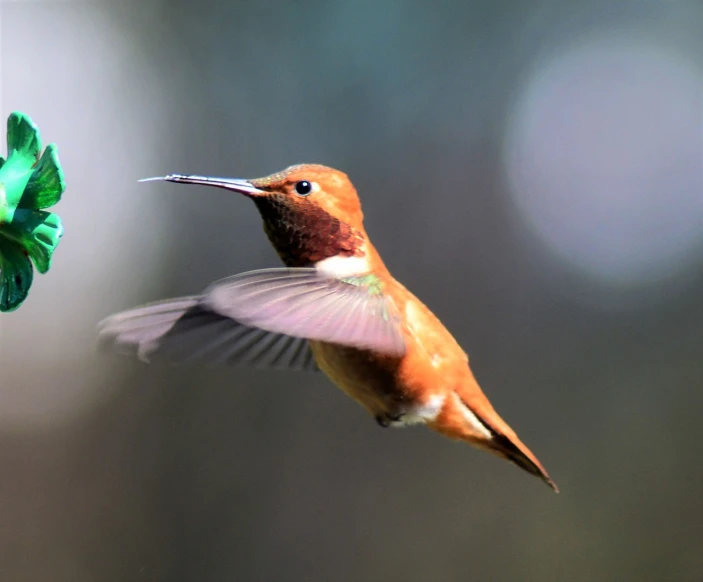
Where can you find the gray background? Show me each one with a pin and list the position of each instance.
(531, 170)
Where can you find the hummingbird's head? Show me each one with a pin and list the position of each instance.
(314, 188)
(310, 212)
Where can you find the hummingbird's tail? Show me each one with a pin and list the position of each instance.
(508, 446)
(469, 416)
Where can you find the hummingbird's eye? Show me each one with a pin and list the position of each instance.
(303, 188)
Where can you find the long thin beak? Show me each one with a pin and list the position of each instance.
(241, 186)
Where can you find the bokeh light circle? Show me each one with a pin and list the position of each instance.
(604, 158)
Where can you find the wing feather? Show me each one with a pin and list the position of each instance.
(305, 303)
(184, 330)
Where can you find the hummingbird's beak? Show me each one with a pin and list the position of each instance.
(240, 186)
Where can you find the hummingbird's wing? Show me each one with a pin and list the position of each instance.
(306, 303)
(184, 329)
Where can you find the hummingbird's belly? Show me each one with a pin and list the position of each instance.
(365, 377)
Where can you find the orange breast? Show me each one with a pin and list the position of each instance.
(433, 362)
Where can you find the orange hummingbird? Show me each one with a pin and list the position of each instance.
(334, 307)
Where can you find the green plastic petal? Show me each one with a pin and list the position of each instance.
(23, 147)
(16, 275)
(6, 212)
(47, 182)
(28, 234)
(22, 136)
(37, 232)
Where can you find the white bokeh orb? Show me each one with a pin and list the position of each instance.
(604, 158)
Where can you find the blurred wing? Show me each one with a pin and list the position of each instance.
(182, 330)
(305, 303)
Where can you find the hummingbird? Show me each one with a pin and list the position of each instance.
(333, 307)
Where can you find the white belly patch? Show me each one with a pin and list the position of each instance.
(420, 414)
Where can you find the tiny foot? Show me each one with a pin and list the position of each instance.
(386, 420)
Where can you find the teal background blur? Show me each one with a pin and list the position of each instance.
(533, 171)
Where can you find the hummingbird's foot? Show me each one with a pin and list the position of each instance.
(387, 419)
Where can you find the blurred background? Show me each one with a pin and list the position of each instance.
(533, 171)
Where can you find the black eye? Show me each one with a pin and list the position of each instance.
(303, 187)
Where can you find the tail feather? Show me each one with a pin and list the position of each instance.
(515, 451)
(469, 416)
(505, 443)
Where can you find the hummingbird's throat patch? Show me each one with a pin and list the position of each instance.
(304, 234)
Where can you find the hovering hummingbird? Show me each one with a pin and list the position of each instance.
(334, 307)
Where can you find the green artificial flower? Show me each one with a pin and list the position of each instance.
(29, 182)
